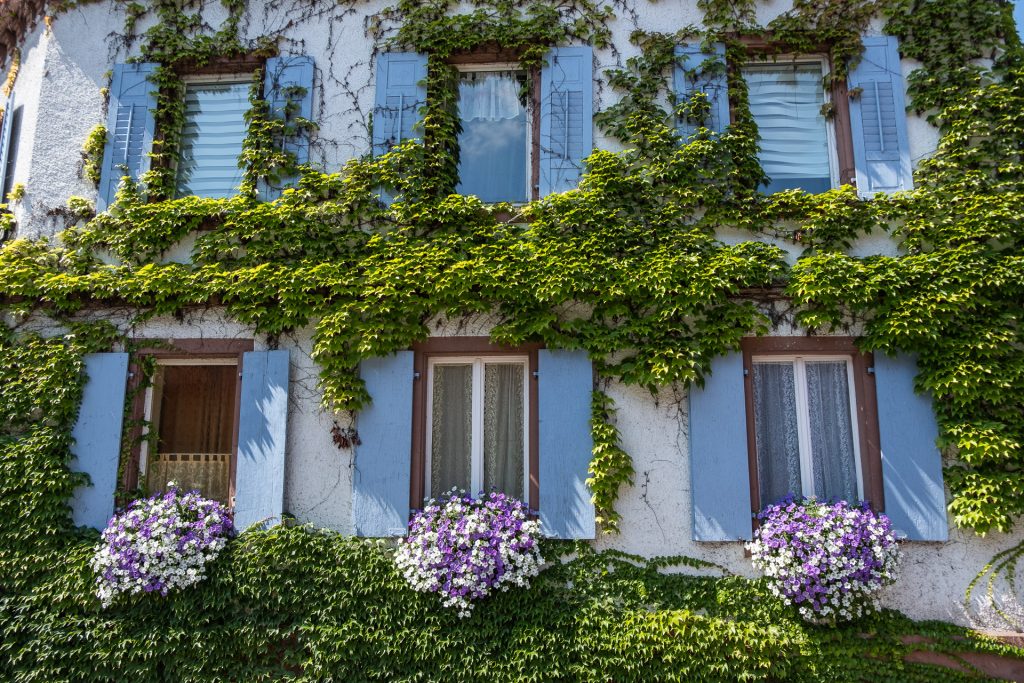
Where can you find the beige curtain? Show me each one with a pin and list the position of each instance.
(451, 429)
(503, 428)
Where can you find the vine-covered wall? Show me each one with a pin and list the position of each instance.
(630, 268)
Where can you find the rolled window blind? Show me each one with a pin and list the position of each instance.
(786, 101)
(211, 139)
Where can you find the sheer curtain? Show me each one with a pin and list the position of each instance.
(775, 431)
(451, 429)
(834, 458)
(786, 101)
(504, 446)
(493, 142)
(194, 409)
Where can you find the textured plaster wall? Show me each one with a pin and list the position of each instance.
(59, 83)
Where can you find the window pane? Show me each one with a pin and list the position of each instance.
(211, 139)
(193, 417)
(775, 432)
(504, 445)
(786, 101)
(451, 429)
(493, 143)
(833, 456)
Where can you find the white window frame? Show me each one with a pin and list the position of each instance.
(517, 67)
(477, 419)
(830, 124)
(803, 415)
(148, 402)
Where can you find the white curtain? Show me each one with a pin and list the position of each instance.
(451, 429)
(775, 431)
(493, 144)
(503, 428)
(489, 96)
(786, 101)
(834, 458)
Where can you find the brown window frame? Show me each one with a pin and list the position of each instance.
(440, 347)
(762, 49)
(498, 55)
(864, 391)
(189, 349)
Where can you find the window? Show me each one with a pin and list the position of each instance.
(187, 420)
(797, 142)
(212, 136)
(494, 145)
(475, 419)
(812, 428)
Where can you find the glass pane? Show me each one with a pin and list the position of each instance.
(834, 461)
(211, 139)
(775, 431)
(786, 101)
(504, 441)
(451, 429)
(194, 421)
(493, 143)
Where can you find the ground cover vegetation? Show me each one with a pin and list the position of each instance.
(626, 267)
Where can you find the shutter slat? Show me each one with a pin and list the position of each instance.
(564, 387)
(380, 486)
(566, 117)
(719, 463)
(878, 119)
(285, 73)
(401, 93)
(97, 435)
(262, 433)
(130, 128)
(689, 57)
(911, 463)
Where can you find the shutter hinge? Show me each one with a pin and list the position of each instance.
(416, 375)
(871, 370)
(746, 371)
(535, 374)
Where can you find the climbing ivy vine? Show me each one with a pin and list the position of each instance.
(627, 267)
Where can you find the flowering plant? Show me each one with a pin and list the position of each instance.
(465, 548)
(830, 560)
(160, 543)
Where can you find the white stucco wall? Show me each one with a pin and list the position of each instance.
(59, 83)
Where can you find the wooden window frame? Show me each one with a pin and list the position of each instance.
(185, 349)
(762, 50)
(497, 55)
(866, 408)
(450, 347)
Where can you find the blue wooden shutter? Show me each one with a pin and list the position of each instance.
(565, 384)
(719, 464)
(689, 77)
(380, 484)
(97, 435)
(878, 119)
(566, 115)
(130, 127)
(5, 141)
(262, 432)
(401, 93)
(911, 463)
(289, 79)
(1018, 17)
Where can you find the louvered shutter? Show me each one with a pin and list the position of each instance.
(401, 93)
(693, 73)
(5, 142)
(1018, 17)
(565, 383)
(719, 463)
(262, 433)
(566, 117)
(380, 497)
(878, 119)
(289, 80)
(911, 464)
(130, 128)
(97, 438)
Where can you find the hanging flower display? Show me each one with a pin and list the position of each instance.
(830, 560)
(159, 544)
(464, 549)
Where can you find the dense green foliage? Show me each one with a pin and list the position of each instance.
(627, 267)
